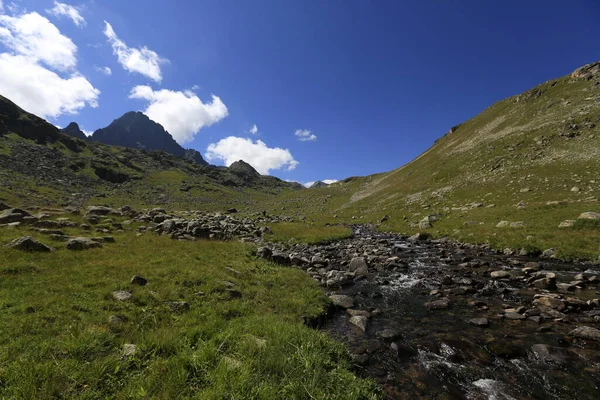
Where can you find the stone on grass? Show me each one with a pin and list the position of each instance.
(567, 224)
(139, 280)
(129, 350)
(121, 295)
(179, 306)
(589, 215)
(82, 243)
(27, 243)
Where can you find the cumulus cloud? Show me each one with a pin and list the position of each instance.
(38, 72)
(257, 154)
(253, 130)
(182, 114)
(142, 61)
(65, 10)
(304, 135)
(35, 37)
(104, 70)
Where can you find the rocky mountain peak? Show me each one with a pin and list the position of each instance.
(73, 130)
(135, 129)
(243, 168)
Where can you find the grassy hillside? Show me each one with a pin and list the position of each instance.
(41, 166)
(534, 158)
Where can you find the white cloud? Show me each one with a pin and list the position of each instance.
(62, 9)
(253, 130)
(261, 157)
(86, 133)
(182, 114)
(35, 37)
(304, 135)
(104, 70)
(143, 61)
(38, 72)
(41, 91)
(309, 184)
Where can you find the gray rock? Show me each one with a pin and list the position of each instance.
(129, 350)
(358, 265)
(388, 334)
(589, 215)
(586, 332)
(138, 280)
(569, 223)
(82, 243)
(500, 274)
(121, 295)
(360, 321)
(514, 316)
(26, 243)
(482, 322)
(550, 354)
(441, 304)
(341, 300)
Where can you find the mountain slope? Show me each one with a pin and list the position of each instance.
(534, 157)
(39, 165)
(73, 130)
(136, 130)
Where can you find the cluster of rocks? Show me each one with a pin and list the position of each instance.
(590, 215)
(197, 225)
(467, 274)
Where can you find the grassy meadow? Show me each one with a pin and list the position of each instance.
(243, 337)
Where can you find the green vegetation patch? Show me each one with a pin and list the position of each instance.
(63, 334)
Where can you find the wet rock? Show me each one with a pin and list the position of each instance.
(341, 300)
(354, 313)
(121, 295)
(551, 354)
(138, 280)
(515, 316)
(500, 274)
(419, 237)
(360, 321)
(549, 302)
(358, 265)
(388, 334)
(360, 359)
(481, 322)
(27, 243)
(586, 332)
(280, 258)
(441, 304)
(82, 243)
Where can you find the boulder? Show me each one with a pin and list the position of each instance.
(341, 300)
(500, 274)
(26, 243)
(358, 265)
(567, 224)
(586, 332)
(481, 322)
(550, 354)
(100, 211)
(82, 243)
(589, 215)
(360, 321)
(388, 334)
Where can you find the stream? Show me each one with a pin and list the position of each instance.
(448, 321)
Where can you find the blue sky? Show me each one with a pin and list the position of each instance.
(336, 88)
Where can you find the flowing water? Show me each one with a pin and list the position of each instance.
(438, 354)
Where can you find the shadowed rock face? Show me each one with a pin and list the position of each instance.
(136, 130)
(73, 130)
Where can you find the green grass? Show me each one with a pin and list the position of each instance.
(297, 232)
(56, 341)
